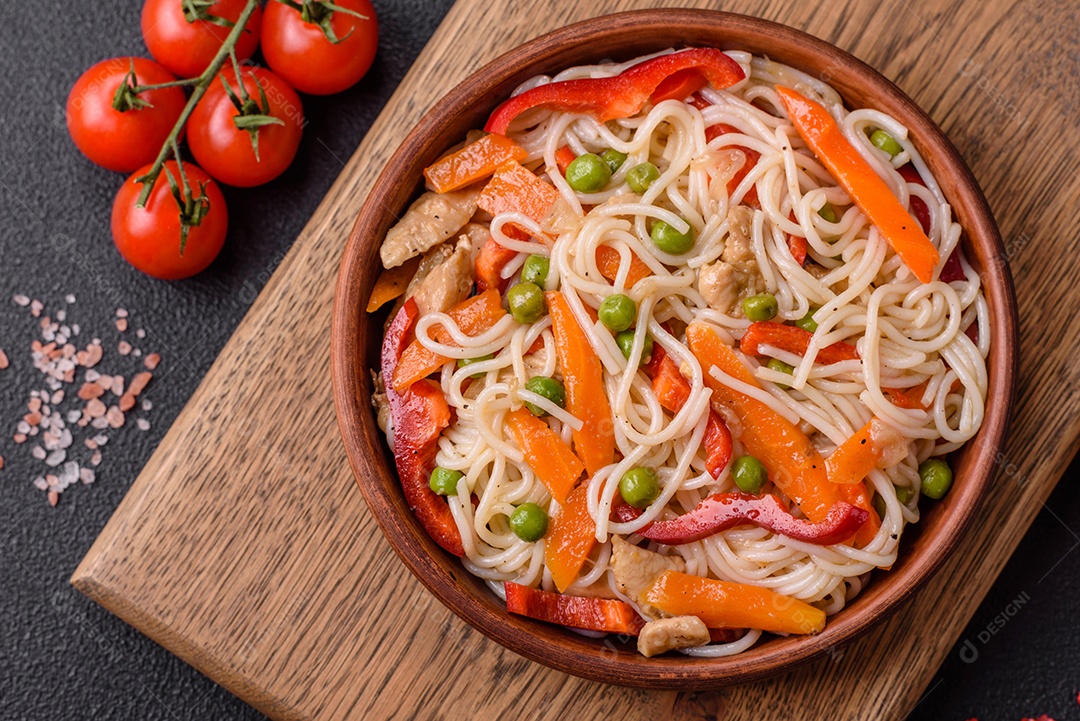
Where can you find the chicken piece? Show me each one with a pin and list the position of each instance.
(635, 569)
(444, 278)
(432, 219)
(666, 634)
(378, 400)
(893, 444)
(725, 283)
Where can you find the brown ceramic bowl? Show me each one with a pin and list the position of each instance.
(356, 340)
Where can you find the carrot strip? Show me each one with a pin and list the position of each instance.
(473, 316)
(793, 340)
(875, 445)
(392, 283)
(594, 614)
(608, 260)
(474, 162)
(517, 189)
(721, 604)
(571, 538)
(563, 157)
(583, 376)
(793, 463)
(863, 185)
(910, 398)
(552, 460)
(490, 261)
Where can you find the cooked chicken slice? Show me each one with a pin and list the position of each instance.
(444, 278)
(432, 219)
(666, 634)
(378, 400)
(635, 569)
(725, 283)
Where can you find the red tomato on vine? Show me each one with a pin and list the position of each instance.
(184, 37)
(152, 238)
(319, 50)
(249, 137)
(127, 138)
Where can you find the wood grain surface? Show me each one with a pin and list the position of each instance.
(245, 548)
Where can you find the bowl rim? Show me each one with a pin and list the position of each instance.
(555, 647)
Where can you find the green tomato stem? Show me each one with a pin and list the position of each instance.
(200, 84)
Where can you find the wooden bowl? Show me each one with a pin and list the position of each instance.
(356, 340)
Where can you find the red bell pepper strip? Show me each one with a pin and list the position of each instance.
(874, 198)
(619, 96)
(678, 86)
(563, 157)
(592, 614)
(722, 511)
(793, 340)
(673, 390)
(796, 244)
(918, 205)
(418, 416)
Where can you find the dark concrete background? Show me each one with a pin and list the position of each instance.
(61, 656)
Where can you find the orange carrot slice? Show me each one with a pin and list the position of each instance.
(490, 261)
(870, 447)
(571, 538)
(474, 162)
(866, 188)
(793, 340)
(563, 157)
(608, 260)
(392, 283)
(583, 376)
(551, 460)
(473, 316)
(793, 463)
(517, 189)
(721, 604)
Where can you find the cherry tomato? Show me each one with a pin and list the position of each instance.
(299, 51)
(187, 47)
(149, 238)
(226, 151)
(116, 140)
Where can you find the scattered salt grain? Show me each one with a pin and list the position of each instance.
(41, 484)
(3, 359)
(143, 424)
(152, 360)
(146, 405)
(115, 416)
(123, 348)
(69, 299)
(140, 334)
(121, 324)
(38, 452)
(20, 300)
(86, 476)
(54, 498)
(55, 458)
(99, 423)
(121, 313)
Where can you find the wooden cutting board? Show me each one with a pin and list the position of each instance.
(246, 549)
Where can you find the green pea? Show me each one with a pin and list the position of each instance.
(760, 307)
(935, 477)
(640, 177)
(780, 366)
(588, 173)
(807, 322)
(878, 504)
(548, 388)
(886, 142)
(613, 158)
(535, 270)
(904, 494)
(625, 341)
(462, 362)
(669, 240)
(828, 213)
(749, 474)
(526, 302)
(529, 522)
(617, 312)
(639, 486)
(444, 481)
